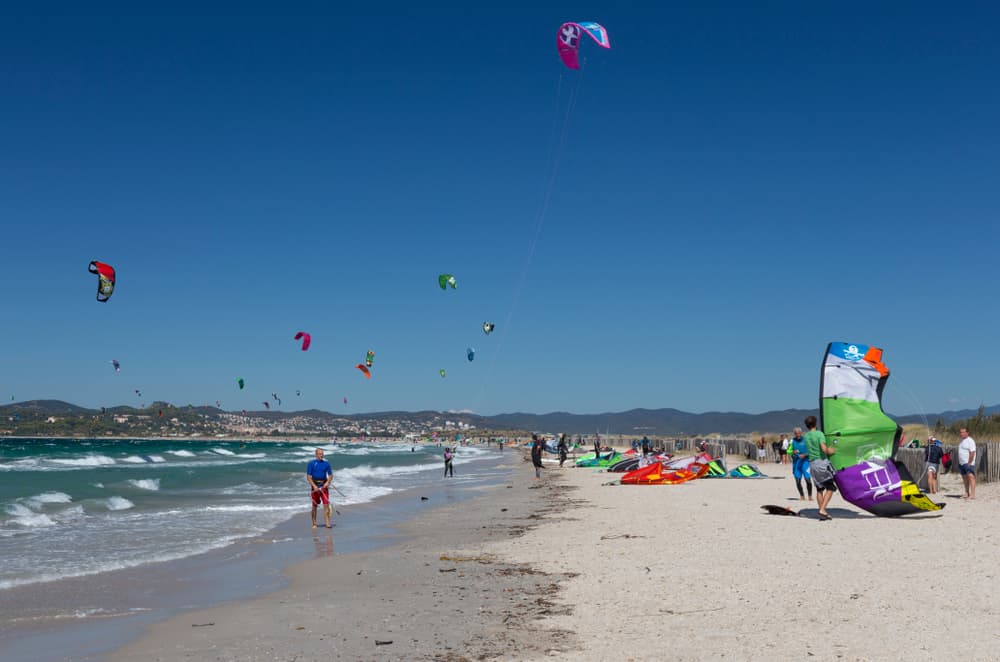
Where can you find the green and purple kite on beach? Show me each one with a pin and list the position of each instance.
(851, 417)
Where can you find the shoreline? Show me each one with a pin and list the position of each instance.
(107, 609)
(438, 593)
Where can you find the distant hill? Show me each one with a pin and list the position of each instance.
(653, 421)
(47, 408)
(666, 421)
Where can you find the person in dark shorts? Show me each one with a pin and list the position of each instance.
(932, 463)
(536, 455)
(449, 466)
(319, 475)
(563, 449)
(820, 467)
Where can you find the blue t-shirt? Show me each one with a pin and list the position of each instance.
(799, 446)
(320, 470)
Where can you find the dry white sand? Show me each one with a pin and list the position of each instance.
(698, 572)
(684, 572)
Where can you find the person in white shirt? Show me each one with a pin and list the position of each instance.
(784, 450)
(967, 462)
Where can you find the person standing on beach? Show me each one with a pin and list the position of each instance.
(932, 462)
(319, 475)
(785, 443)
(820, 467)
(967, 462)
(448, 466)
(761, 450)
(563, 449)
(800, 463)
(536, 455)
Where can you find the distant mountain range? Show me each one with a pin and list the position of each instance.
(635, 421)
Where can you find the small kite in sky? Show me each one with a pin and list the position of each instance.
(444, 280)
(470, 352)
(363, 368)
(568, 40)
(117, 366)
(240, 382)
(442, 373)
(488, 327)
(267, 405)
(305, 338)
(105, 279)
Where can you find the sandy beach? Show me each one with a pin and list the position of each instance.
(571, 568)
(440, 594)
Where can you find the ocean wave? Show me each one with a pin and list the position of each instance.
(39, 500)
(223, 451)
(86, 461)
(182, 453)
(150, 484)
(119, 503)
(19, 465)
(22, 516)
(368, 471)
(109, 566)
(99, 485)
(143, 459)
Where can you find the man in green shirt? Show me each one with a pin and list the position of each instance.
(820, 468)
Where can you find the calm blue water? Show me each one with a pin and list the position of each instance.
(70, 508)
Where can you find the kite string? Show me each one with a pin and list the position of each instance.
(557, 145)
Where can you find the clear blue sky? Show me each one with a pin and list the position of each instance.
(739, 184)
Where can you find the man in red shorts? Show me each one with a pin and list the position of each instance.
(319, 474)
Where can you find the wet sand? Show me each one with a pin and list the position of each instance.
(441, 593)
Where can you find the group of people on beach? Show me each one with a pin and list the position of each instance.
(810, 453)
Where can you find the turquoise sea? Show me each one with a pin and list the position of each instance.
(72, 508)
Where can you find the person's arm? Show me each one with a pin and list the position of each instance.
(828, 450)
(972, 456)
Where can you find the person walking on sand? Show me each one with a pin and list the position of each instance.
(536, 455)
(967, 462)
(319, 475)
(761, 451)
(785, 443)
(563, 450)
(448, 466)
(932, 461)
(800, 463)
(820, 467)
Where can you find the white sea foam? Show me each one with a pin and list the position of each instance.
(249, 508)
(119, 503)
(182, 453)
(223, 451)
(151, 484)
(100, 485)
(86, 461)
(22, 516)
